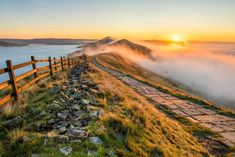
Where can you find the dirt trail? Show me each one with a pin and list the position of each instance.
(208, 118)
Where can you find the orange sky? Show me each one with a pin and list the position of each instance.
(204, 20)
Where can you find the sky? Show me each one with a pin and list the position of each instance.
(205, 20)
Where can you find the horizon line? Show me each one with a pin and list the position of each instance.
(160, 40)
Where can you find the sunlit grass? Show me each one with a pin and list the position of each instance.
(139, 129)
(16, 134)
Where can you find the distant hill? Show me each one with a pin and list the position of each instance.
(48, 41)
(109, 43)
(8, 44)
(99, 43)
(142, 50)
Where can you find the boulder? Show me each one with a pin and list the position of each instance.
(54, 107)
(95, 140)
(85, 102)
(62, 138)
(78, 96)
(95, 114)
(62, 130)
(62, 115)
(76, 134)
(66, 150)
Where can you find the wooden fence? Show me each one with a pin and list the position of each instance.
(54, 66)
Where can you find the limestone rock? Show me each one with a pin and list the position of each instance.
(95, 140)
(66, 150)
(76, 134)
(54, 107)
(62, 115)
(62, 138)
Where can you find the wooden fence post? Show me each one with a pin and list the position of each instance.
(12, 79)
(61, 61)
(65, 62)
(50, 66)
(34, 66)
(55, 64)
(69, 62)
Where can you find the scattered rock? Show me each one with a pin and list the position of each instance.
(85, 102)
(82, 115)
(52, 121)
(62, 130)
(54, 107)
(62, 115)
(56, 90)
(12, 123)
(46, 139)
(76, 107)
(84, 87)
(66, 150)
(75, 133)
(95, 140)
(64, 95)
(78, 96)
(62, 138)
(92, 84)
(96, 114)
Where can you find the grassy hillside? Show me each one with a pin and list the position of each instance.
(116, 121)
(136, 128)
(127, 67)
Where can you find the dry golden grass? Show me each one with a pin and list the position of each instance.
(116, 62)
(119, 63)
(16, 134)
(148, 132)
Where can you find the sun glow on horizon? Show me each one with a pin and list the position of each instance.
(178, 38)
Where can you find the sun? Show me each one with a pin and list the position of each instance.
(176, 38)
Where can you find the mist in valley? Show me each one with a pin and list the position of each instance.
(205, 70)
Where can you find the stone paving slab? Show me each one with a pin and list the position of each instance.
(206, 111)
(196, 113)
(170, 105)
(212, 127)
(179, 112)
(229, 135)
(192, 111)
(212, 118)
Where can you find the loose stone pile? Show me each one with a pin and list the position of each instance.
(76, 107)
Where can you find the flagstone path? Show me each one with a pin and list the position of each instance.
(208, 118)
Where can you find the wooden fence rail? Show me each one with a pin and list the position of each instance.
(54, 66)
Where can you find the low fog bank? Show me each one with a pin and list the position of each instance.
(205, 70)
(200, 68)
